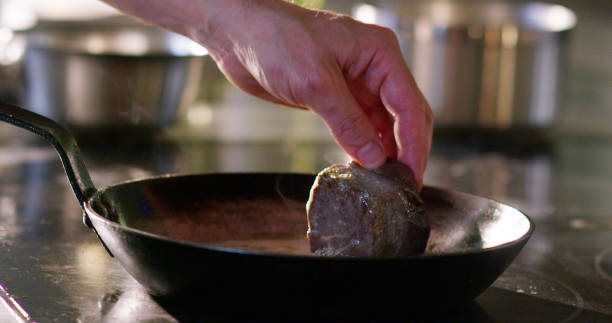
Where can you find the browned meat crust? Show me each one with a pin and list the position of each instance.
(356, 212)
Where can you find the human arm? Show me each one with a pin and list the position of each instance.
(350, 74)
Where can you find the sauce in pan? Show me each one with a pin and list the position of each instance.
(280, 246)
(261, 224)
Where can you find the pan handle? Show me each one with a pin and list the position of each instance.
(64, 144)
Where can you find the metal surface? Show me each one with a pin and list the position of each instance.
(554, 277)
(166, 231)
(10, 310)
(489, 64)
(62, 142)
(111, 77)
(57, 270)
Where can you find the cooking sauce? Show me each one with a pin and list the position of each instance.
(261, 224)
(280, 246)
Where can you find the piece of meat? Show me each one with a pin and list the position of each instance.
(356, 212)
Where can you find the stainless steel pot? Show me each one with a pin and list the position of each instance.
(485, 64)
(111, 76)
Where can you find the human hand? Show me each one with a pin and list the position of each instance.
(350, 74)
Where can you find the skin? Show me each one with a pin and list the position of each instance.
(352, 75)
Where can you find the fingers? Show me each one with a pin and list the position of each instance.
(413, 118)
(407, 133)
(383, 123)
(348, 122)
(413, 125)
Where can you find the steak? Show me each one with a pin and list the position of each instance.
(357, 212)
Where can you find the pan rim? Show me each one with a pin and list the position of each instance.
(421, 257)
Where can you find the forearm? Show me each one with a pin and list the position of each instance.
(210, 22)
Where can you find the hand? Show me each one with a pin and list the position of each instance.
(350, 74)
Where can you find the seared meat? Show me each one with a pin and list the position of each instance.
(356, 212)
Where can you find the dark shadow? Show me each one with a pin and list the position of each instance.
(507, 306)
(523, 142)
(311, 311)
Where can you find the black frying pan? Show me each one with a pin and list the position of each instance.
(238, 241)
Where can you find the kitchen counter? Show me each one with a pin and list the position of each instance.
(56, 270)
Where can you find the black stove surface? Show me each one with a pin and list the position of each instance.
(53, 269)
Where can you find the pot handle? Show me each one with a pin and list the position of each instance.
(64, 144)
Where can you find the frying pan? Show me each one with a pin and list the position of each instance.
(237, 241)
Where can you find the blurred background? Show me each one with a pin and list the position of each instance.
(501, 66)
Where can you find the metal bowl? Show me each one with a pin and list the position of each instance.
(485, 64)
(111, 76)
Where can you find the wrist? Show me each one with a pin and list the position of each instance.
(217, 25)
(228, 23)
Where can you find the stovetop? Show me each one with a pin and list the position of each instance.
(53, 269)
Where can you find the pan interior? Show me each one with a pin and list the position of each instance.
(266, 213)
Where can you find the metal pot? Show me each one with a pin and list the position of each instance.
(485, 64)
(111, 76)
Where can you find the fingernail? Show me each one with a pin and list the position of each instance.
(371, 155)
